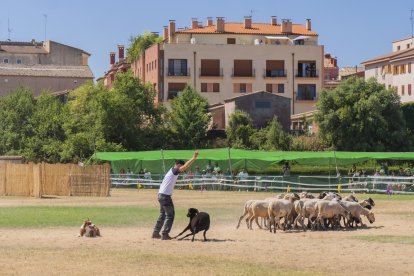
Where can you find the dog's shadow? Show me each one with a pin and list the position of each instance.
(210, 240)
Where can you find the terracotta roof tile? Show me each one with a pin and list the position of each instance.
(257, 29)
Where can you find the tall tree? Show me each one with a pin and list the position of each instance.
(139, 43)
(84, 123)
(15, 111)
(189, 119)
(240, 130)
(362, 115)
(130, 116)
(45, 130)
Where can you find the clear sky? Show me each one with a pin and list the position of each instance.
(352, 30)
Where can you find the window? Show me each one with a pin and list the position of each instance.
(306, 92)
(402, 90)
(262, 104)
(210, 67)
(19, 61)
(275, 68)
(402, 69)
(177, 67)
(398, 48)
(280, 88)
(408, 46)
(243, 68)
(409, 67)
(269, 87)
(6, 60)
(242, 88)
(174, 89)
(231, 40)
(216, 87)
(409, 89)
(210, 87)
(307, 69)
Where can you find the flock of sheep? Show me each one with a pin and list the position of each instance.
(322, 211)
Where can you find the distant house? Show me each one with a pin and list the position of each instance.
(394, 69)
(115, 67)
(261, 106)
(42, 66)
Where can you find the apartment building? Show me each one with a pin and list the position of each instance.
(222, 60)
(42, 66)
(394, 69)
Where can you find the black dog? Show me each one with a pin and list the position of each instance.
(199, 221)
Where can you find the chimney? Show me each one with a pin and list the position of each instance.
(273, 20)
(286, 26)
(209, 21)
(247, 22)
(111, 58)
(308, 25)
(121, 52)
(194, 23)
(171, 30)
(220, 25)
(165, 32)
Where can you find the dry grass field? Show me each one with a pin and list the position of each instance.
(383, 248)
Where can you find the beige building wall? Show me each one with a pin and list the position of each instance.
(403, 44)
(227, 53)
(400, 82)
(39, 84)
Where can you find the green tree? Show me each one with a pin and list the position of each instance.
(272, 137)
(15, 112)
(408, 112)
(45, 130)
(189, 119)
(362, 115)
(139, 43)
(84, 127)
(240, 130)
(130, 116)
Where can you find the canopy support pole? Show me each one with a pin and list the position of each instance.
(163, 161)
(231, 170)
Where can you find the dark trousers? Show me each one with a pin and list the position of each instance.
(167, 214)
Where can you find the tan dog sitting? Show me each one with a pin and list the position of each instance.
(88, 229)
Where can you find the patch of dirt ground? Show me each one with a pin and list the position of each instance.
(131, 251)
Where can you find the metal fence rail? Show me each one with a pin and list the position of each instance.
(368, 184)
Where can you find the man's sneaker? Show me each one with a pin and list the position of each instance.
(166, 237)
(156, 235)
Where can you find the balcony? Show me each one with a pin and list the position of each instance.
(178, 73)
(210, 73)
(278, 73)
(310, 73)
(243, 73)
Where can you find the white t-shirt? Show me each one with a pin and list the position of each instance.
(168, 183)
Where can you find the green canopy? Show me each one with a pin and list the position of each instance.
(155, 161)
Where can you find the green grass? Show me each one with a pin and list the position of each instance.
(387, 239)
(46, 216)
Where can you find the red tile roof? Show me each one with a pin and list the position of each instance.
(256, 29)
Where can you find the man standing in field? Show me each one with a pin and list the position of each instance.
(167, 213)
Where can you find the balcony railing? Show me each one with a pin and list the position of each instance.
(206, 73)
(312, 73)
(178, 73)
(253, 74)
(279, 73)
